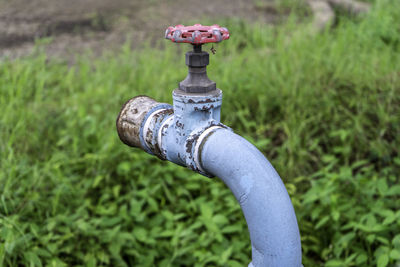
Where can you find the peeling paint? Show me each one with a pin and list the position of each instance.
(131, 117)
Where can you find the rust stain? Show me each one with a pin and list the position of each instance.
(204, 108)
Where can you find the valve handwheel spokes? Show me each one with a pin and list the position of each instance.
(197, 34)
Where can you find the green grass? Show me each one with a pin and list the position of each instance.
(325, 109)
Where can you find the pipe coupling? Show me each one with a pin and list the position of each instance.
(176, 134)
(138, 120)
(194, 145)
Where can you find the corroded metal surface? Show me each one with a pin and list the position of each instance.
(193, 146)
(193, 114)
(131, 117)
(152, 127)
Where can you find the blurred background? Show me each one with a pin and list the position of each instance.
(314, 84)
(98, 25)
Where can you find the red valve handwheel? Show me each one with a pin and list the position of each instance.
(197, 34)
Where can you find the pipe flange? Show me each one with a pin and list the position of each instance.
(193, 146)
(138, 114)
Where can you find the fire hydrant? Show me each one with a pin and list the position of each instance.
(189, 133)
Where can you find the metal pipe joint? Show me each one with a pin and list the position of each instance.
(173, 133)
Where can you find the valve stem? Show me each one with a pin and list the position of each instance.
(197, 80)
(197, 48)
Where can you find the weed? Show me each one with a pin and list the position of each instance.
(323, 108)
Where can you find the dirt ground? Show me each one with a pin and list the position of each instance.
(74, 26)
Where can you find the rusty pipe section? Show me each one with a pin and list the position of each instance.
(138, 120)
(170, 132)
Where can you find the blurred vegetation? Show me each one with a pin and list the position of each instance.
(325, 109)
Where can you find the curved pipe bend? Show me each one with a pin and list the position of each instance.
(189, 134)
(266, 205)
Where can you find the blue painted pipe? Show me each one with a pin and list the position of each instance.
(274, 234)
(189, 134)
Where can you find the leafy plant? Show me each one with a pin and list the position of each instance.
(323, 108)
